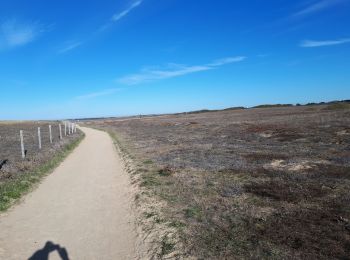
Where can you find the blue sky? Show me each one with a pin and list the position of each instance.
(63, 59)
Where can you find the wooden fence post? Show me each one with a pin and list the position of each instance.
(39, 138)
(50, 134)
(60, 128)
(22, 144)
(65, 128)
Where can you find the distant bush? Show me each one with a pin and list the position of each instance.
(274, 105)
(328, 103)
(338, 106)
(201, 111)
(234, 108)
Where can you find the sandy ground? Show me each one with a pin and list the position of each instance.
(83, 208)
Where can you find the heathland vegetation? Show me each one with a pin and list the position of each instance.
(268, 182)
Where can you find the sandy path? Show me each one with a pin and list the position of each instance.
(84, 206)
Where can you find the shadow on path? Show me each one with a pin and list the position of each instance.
(43, 254)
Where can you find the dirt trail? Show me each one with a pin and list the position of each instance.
(84, 206)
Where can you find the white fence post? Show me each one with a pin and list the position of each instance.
(65, 128)
(39, 138)
(50, 133)
(60, 128)
(22, 144)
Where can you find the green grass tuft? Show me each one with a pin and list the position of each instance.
(193, 212)
(177, 224)
(166, 246)
(148, 162)
(149, 180)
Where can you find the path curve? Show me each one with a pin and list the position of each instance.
(84, 208)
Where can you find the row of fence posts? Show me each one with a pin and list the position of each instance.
(69, 128)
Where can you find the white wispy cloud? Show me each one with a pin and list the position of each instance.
(14, 33)
(225, 61)
(174, 70)
(311, 44)
(70, 46)
(105, 92)
(116, 17)
(317, 6)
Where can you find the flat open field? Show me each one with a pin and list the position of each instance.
(258, 183)
(11, 162)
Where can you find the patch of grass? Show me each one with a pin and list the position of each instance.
(300, 230)
(193, 212)
(158, 220)
(169, 197)
(264, 157)
(167, 246)
(149, 180)
(13, 189)
(177, 224)
(149, 214)
(116, 140)
(282, 190)
(148, 162)
(166, 171)
(169, 183)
